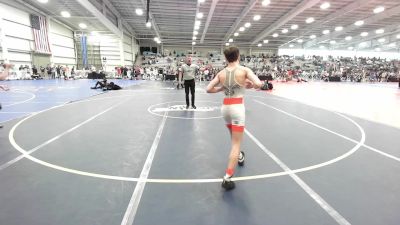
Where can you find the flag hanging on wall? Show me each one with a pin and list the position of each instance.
(40, 34)
(84, 51)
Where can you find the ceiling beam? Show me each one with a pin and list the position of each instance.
(239, 19)
(305, 4)
(101, 17)
(336, 14)
(209, 17)
(370, 20)
(116, 12)
(152, 20)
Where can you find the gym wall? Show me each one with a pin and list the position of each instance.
(62, 44)
(18, 37)
(17, 34)
(127, 47)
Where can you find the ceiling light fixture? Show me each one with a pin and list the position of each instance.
(350, 48)
(265, 41)
(43, 1)
(321, 46)
(65, 14)
(364, 34)
(325, 5)
(332, 42)
(148, 24)
(226, 44)
(199, 15)
(265, 2)
(398, 36)
(340, 28)
(310, 20)
(236, 34)
(359, 23)
(197, 23)
(195, 32)
(381, 40)
(201, 1)
(256, 17)
(284, 31)
(247, 25)
(193, 43)
(275, 35)
(348, 38)
(326, 32)
(259, 45)
(294, 27)
(82, 25)
(300, 41)
(379, 9)
(291, 46)
(380, 31)
(241, 29)
(313, 36)
(156, 39)
(139, 12)
(194, 38)
(230, 40)
(196, 27)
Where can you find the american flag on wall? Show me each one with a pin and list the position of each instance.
(40, 34)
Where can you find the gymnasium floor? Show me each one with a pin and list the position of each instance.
(72, 155)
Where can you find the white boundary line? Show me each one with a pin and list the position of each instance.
(382, 153)
(133, 205)
(27, 153)
(317, 198)
(83, 173)
(17, 103)
(349, 139)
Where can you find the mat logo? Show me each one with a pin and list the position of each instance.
(179, 108)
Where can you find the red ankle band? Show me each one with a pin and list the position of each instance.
(230, 172)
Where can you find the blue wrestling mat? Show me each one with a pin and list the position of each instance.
(30, 96)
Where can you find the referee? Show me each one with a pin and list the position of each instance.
(188, 71)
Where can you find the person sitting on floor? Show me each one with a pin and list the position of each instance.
(100, 84)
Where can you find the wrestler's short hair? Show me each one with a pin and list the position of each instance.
(231, 54)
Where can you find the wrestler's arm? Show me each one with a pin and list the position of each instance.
(251, 77)
(211, 88)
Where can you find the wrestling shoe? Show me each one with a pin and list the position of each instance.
(241, 159)
(193, 106)
(227, 183)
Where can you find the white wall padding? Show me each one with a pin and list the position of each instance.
(18, 44)
(62, 44)
(17, 34)
(17, 30)
(20, 57)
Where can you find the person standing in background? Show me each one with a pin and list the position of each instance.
(188, 72)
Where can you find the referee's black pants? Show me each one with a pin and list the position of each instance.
(189, 84)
